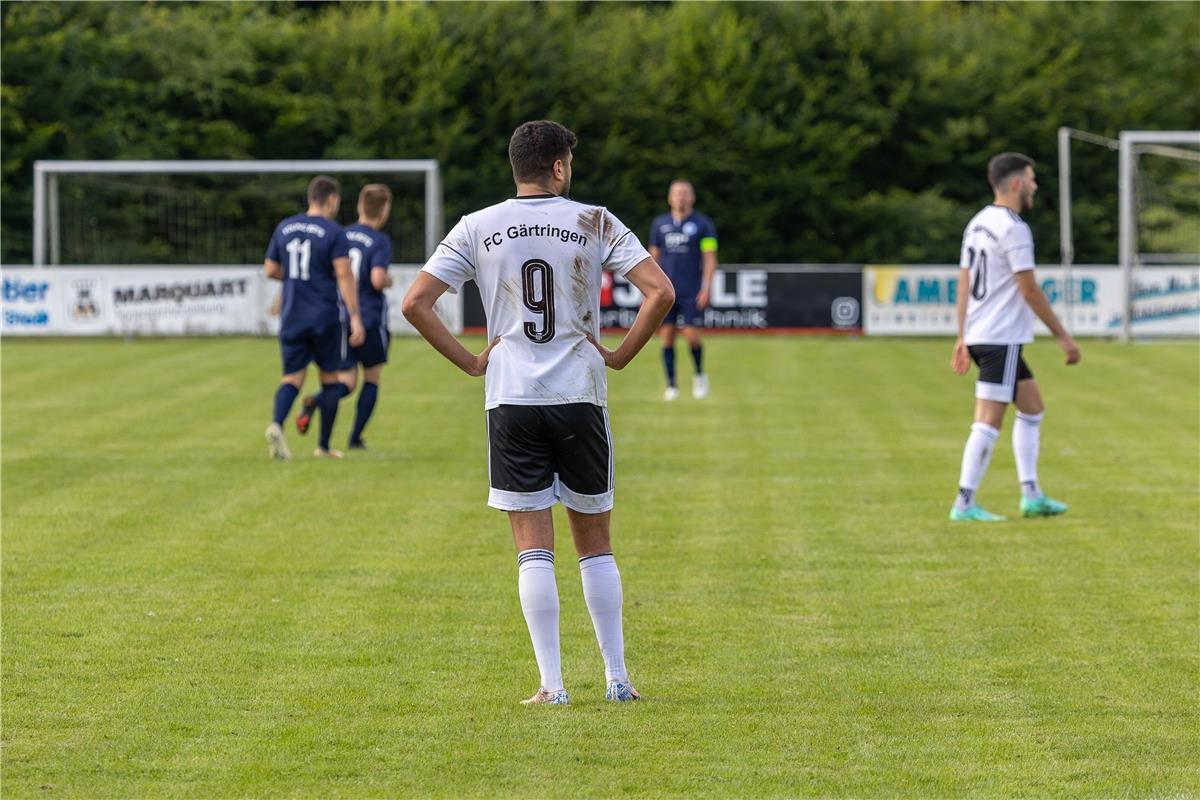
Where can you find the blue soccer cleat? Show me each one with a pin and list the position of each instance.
(1042, 507)
(555, 698)
(619, 692)
(974, 514)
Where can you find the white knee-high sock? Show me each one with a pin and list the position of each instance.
(539, 602)
(1026, 439)
(602, 592)
(976, 457)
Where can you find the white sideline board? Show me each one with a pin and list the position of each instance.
(919, 300)
(166, 301)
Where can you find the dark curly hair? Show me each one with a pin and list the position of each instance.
(535, 146)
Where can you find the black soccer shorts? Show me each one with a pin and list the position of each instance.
(538, 455)
(1000, 367)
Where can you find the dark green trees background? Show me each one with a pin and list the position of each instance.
(853, 132)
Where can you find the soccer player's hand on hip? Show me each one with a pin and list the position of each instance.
(481, 361)
(1070, 348)
(961, 360)
(358, 334)
(610, 356)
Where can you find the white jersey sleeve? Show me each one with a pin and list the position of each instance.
(1018, 247)
(453, 262)
(965, 256)
(622, 248)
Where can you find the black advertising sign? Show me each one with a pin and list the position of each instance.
(744, 299)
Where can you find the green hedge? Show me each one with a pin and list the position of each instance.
(853, 132)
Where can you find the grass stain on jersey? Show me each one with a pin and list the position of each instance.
(589, 221)
(581, 293)
(509, 295)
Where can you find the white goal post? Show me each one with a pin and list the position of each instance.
(1181, 145)
(46, 227)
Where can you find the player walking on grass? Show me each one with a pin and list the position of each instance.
(537, 259)
(998, 297)
(685, 243)
(312, 318)
(370, 254)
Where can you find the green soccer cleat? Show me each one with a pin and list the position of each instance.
(1042, 507)
(974, 514)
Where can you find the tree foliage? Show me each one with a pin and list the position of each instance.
(849, 132)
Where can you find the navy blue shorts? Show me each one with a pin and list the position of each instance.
(684, 312)
(326, 346)
(371, 353)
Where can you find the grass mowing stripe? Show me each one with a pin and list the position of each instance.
(800, 616)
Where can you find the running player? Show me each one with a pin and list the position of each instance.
(312, 318)
(998, 297)
(537, 259)
(370, 255)
(685, 243)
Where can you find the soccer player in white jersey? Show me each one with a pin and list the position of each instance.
(537, 259)
(998, 297)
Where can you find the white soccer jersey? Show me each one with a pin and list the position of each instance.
(538, 261)
(997, 244)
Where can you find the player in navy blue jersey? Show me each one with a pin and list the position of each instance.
(310, 254)
(370, 254)
(684, 242)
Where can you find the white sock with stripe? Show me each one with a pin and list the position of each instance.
(976, 457)
(602, 592)
(539, 602)
(1026, 440)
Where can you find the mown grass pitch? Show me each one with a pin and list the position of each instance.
(183, 617)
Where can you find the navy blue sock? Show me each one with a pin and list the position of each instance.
(285, 395)
(366, 404)
(669, 364)
(327, 401)
(698, 359)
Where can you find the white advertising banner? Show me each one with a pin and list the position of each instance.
(152, 301)
(174, 302)
(164, 301)
(449, 306)
(1166, 301)
(919, 301)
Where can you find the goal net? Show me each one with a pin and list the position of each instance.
(1158, 228)
(166, 214)
(1166, 205)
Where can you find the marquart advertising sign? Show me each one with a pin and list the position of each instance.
(132, 300)
(166, 301)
